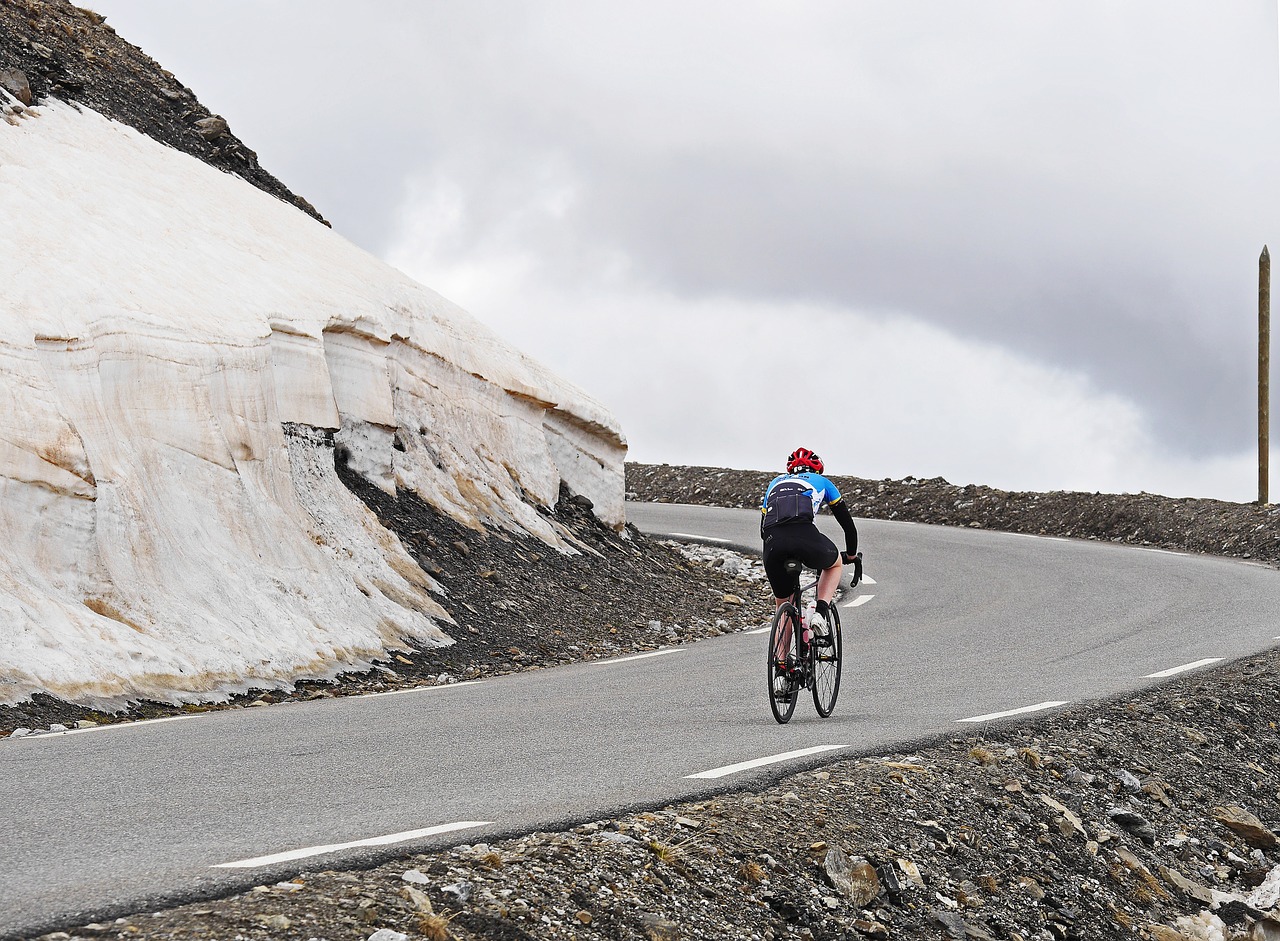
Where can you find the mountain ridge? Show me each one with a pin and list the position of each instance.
(54, 49)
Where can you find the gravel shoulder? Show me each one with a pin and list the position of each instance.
(1150, 816)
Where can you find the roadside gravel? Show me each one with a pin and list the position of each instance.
(1240, 530)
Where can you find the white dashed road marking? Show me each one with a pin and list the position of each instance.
(759, 762)
(98, 728)
(868, 580)
(858, 601)
(639, 656)
(1053, 704)
(334, 847)
(1182, 669)
(418, 689)
(696, 536)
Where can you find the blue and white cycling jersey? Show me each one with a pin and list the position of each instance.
(796, 496)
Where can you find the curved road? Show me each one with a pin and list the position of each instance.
(959, 625)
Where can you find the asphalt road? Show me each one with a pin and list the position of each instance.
(961, 624)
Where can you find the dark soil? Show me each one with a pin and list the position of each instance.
(72, 54)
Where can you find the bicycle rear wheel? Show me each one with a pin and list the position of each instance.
(783, 662)
(827, 651)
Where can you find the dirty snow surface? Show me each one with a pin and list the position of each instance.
(180, 356)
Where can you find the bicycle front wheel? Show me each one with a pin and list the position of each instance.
(784, 667)
(827, 650)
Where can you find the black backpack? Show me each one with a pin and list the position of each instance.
(789, 501)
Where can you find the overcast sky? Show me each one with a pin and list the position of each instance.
(1002, 242)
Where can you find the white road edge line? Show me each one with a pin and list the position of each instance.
(858, 601)
(639, 656)
(1052, 704)
(765, 630)
(417, 689)
(334, 847)
(696, 536)
(98, 728)
(758, 762)
(1182, 669)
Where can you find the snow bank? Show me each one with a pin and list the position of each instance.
(161, 325)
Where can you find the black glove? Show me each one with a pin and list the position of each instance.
(856, 559)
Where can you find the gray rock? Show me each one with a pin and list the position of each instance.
(212, 127)
(657, 928)
(855, 879)
(1074, 775)
(15, 83)
(459, 890)
(1135, 823)
(1245, 825)
(951, 923)
(1129, 782)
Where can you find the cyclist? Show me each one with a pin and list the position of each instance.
(790, 503)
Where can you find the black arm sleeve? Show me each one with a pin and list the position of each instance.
(845, 519)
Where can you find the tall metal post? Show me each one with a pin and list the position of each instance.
(1264, 374)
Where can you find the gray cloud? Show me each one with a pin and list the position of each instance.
(1086, 183)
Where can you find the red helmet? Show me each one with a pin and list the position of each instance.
(803, 457)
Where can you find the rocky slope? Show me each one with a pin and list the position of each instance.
(54, 49)
(1151, 816)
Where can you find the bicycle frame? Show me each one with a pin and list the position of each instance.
(796, 662)
(797, 600)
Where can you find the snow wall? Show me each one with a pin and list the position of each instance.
(177, 350)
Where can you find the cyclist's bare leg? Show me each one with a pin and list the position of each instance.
(829, 581)
(785, 639)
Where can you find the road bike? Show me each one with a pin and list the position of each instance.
(794, 665)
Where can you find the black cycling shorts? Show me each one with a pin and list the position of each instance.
(801, 541)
